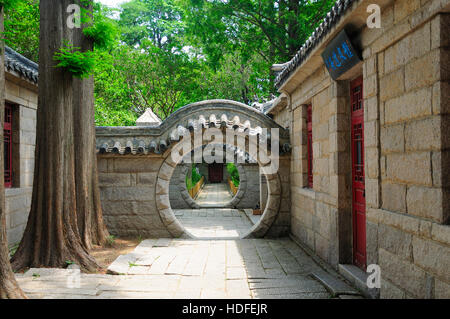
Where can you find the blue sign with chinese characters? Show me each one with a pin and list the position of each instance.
(340, 55)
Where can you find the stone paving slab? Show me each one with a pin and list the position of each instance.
(214, 223)
(216, 194)
(48, 273)
(123, 263)
(313, 295)
(350, 297)
(135, 295)
(289, 282)
(50, 295)
(189, 269)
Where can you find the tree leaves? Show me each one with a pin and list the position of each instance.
(8, 4)
(175, 52)
(103, 31)
(79, 64)
(22, 28)
(159, 21)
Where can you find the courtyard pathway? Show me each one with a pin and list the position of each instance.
(189, 269)
(214, 222)
(214, 195)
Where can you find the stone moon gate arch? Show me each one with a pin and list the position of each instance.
(135, 169)
(191, 203)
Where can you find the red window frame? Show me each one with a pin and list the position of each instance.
(309, 145)
(7, 136)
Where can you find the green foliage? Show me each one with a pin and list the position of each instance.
(272, 30)
(196, 177)
(103, 32)
(157, 21)
(79, 64)
(193, 178)
(113, 106)
(8, 4)
(13, 249)
(22, 28)
(181, 51)
(110, 241)
(234, 174)
(175, 52)
(136, 79)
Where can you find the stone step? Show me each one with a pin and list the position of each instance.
(359, 279)
(334, 285)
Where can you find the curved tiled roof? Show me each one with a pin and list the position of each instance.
(331, 19)
(219, 114)
(21, 65)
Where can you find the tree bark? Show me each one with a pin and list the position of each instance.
(9, 289)
(90, 217)
(52, 235)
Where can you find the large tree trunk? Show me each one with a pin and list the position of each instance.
(52, 235)
(90, 216)
(9, 288)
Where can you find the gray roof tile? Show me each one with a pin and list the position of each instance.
(20, 64)
(330, 20)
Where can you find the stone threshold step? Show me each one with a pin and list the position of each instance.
(358, 278)
(334, 285)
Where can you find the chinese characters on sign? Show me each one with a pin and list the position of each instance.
(340, 56)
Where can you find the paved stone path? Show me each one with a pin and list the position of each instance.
(214, 222)
(177, 268)
(214, 195)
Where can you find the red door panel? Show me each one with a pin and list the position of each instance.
(358, 176)
(7, 136)
(215, 172)
(310, 147)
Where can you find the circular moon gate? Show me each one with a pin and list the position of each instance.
(156, 142)
(231, 204)
(176, 229)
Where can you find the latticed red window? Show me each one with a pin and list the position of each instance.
(310, 147)
(7, 129)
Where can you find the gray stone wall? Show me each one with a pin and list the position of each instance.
(251, 193)
(23, 96)
(127, 189)
(135, 199)
(175, 189)
(263, 192)
(408, 210)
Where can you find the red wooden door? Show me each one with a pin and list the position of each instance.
(215, 172)
(7, 131)
(358, 184)
(310, 147)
